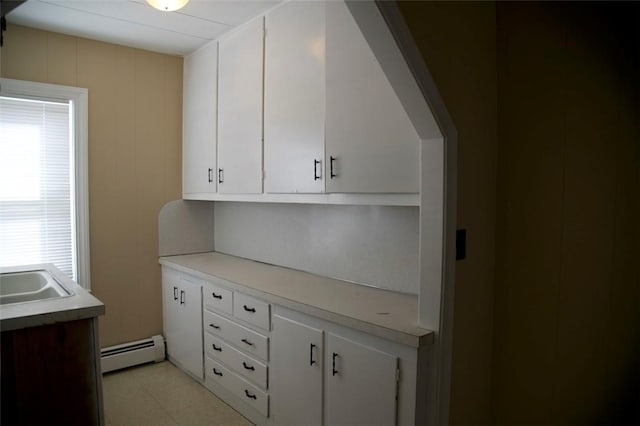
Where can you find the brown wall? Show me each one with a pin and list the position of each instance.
(457, 40)
(135, 128)
(567, 294)
(554, 341)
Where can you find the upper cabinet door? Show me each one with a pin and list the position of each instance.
(240, 77)
(371, 144)
(199, 121)
(294, 103)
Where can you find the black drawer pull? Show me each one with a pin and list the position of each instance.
(175, 293)
(217, 327)
(247, 366)
(334, 371)
(216, 348)
(311, 360)
(245, 341)
(248, 309)
(331, 160)
(249, 394)
(316, 176)
(216, 296)
(216, 372)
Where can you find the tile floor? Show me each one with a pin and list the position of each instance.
(160, 394)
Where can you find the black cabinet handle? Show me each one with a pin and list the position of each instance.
(311, 360)
(182, 297)
(216, 296)
(248, 309)
(220, 175)
(210, 175)
(216, 372)
(333, 368)
(247, 366)
(249, 394)
(245, 341)
(216, 348)
(217, 327)
(331, 173)
(316, 176)
(175, 293)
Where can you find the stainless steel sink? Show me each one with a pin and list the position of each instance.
(29, 286)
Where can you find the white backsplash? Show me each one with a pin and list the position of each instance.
(372, 245)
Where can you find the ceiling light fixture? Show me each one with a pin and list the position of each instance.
(168, 5)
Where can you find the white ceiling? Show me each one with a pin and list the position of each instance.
(134, 23)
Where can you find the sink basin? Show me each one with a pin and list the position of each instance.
(28, 286)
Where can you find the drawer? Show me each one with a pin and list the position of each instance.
(248, 367)
(239, 336)
(217, 298)
(244, 390)
(252, 310)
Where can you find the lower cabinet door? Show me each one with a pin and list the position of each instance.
(182, 321)
(190, 319)
(361, 384)
(296, 373)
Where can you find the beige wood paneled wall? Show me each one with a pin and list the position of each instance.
(457, 40)
(567, 295)
(135, 139)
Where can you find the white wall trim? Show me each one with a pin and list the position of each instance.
(80, 106)
(407, 72)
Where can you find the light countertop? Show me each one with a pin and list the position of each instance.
(80, 305)
(386, 314)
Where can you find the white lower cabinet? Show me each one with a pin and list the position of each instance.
(296, 373)
(360, 382)
(182, 320)
(236, 349)
(280, 367)
(242, 389)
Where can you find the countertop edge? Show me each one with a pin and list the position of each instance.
(81, 305)
(414, 340)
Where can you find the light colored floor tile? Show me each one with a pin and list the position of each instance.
(161, 394)
(197, 406)
(134, 406)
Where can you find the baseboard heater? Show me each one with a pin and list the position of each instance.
(132, 353)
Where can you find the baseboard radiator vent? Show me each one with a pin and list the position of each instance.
(132, 353)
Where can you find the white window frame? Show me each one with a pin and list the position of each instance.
(79, 98)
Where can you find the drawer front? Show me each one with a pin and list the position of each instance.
(252, 310)
(217, 298)
(244, 390)
(250, 368)
(241, 337)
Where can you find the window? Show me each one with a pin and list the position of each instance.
(43, 177)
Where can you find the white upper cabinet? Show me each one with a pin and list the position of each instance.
(295, 103)
(294, 98)
(199, 122)
(240, 77)
(333, 123)
(371, 145)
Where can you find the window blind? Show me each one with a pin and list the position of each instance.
(37, 203)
